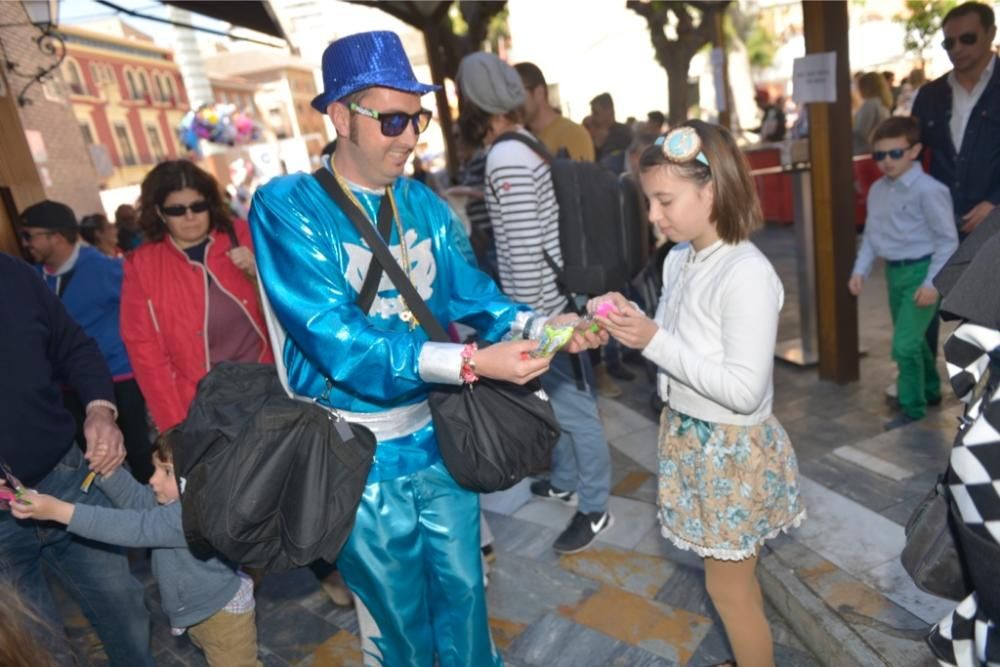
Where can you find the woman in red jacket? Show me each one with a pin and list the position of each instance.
(189, 294)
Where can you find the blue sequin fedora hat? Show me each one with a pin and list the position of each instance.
(363, 60)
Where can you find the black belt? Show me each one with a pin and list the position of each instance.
(906, 262)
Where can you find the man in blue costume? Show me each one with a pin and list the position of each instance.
(413, 557)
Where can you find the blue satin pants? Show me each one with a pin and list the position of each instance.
(413, 559)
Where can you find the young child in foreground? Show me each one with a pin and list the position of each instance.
(209, 599)
(727, 471)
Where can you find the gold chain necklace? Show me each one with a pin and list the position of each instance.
(405, 313)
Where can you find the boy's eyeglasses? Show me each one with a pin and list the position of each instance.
(394, 124)
(895, 154)
(180, 210)
(967, 38)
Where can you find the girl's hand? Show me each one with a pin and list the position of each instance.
(510, 361)
(42, 508)
(617, 300)
(630, 327)
(243, 259)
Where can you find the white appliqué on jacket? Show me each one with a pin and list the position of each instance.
(423, 270)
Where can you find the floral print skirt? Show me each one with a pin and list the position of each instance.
(724, 488)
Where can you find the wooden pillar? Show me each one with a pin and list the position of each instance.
(20, 185)
(826, 26)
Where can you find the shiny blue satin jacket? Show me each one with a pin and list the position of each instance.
(313, 262)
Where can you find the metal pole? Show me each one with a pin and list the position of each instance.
(803, 350)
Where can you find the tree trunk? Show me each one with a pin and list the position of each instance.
(677, 89)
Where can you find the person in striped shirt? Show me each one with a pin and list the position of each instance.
(524, 213)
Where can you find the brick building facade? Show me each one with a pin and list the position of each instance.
(127, 96)
(44, 154)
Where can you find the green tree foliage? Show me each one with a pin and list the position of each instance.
(921, 22)
(674, 55)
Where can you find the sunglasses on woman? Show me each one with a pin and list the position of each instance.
(967, 38)
(394, 124)
(895, 154)
(179, 210)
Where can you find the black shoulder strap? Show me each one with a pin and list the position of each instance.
(366, 297)
(382, 255)
(234, 240)
(530, 142)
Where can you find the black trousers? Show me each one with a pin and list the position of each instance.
(131, 421)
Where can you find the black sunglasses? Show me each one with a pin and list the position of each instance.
(394, 124)
(179, 210)
(967, 38)
(895, 153)
(28, 237)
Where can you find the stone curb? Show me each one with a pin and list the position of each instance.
(817, 626)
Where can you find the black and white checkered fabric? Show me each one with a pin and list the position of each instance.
(968, 637)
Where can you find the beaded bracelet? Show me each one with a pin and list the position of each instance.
(468, 372)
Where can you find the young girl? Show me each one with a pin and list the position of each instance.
(727, 477)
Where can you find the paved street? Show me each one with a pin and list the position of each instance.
(635, 601)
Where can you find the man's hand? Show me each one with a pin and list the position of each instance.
(243, 259)
(630, 327)
(975, 217)
(105, 443)
(925, 296)
(510, 361)
(856, 284)
(41, 507)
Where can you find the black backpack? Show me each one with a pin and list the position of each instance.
(271, 481)
(593, 239)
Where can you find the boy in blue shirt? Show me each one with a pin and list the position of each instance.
(209, 598)
(911, 226)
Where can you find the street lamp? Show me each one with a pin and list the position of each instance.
(44, 16)
(42, 12)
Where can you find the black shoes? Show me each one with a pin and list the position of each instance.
(543, 489)
(902, 419)
(582, 531)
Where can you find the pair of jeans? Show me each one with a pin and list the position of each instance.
(581, 461)
(96, 575)
(918, 381)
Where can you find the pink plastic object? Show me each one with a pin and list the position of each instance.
(6, 495)
(605, 308)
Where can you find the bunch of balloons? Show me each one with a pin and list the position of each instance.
(218, 123)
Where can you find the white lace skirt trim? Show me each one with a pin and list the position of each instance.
(730, 554)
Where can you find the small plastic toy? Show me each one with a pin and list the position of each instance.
(603, 310)
(553, 339)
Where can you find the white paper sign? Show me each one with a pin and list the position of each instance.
(814, 78)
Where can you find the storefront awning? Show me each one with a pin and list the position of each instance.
(252, 14)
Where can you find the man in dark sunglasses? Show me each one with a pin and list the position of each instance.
(89, 285)
(412, 559)
(959, 115)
